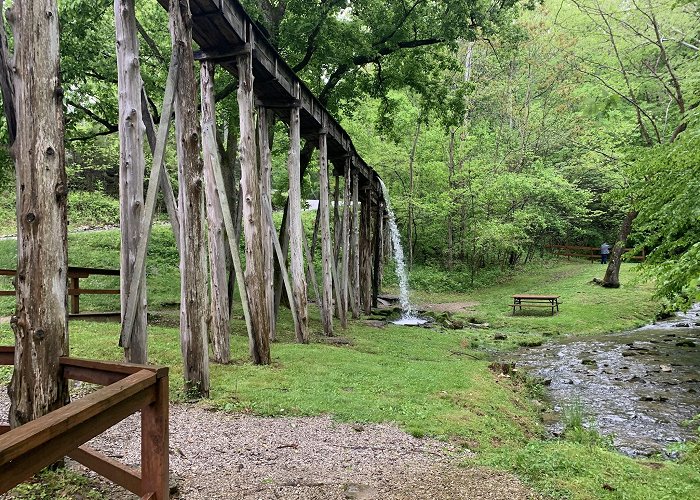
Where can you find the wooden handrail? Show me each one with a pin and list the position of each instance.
(28, 448)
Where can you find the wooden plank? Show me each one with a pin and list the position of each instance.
(113, 367)
(87, 416)
(129, 314)
(7, 355)
(4, 428)
(92, 291)
(75, 297)
(7, 293)
(123, 475)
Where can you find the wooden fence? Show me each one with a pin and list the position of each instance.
(75, 274)
(27, 449)
(581, 252)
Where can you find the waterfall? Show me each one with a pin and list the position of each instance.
(408, 317)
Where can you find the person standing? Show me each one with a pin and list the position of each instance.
(604, 252)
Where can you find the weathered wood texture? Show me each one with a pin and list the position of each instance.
(219, 311)
(377, 253)
(326, 248)
(355, 249)
(132, 167)
(366, 254)
(296, 230)
(252, 216)
(194, 309)
(345, 245)
(40, 323)
(265, 121)
(149, 208)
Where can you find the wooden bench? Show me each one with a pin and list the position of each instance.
(529, 300)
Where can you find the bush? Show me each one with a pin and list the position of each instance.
(86, 208)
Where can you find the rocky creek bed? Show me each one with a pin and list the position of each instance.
(641, 387)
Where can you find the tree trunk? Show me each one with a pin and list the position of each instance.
(612, 273)
(253, 221)
(265, 119)
(326, 248)
(194, 305)
(40, 322)
(451, 187)
(132, 166)
(296, 230)
(219, 326)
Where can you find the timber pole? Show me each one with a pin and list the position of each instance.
(253, 221)
(194, 303)
(40, 322)
(355, 248)
(377, 256)
(265, 119)
(296, 229)
(345, 262)
(326, 248)
(219, 310)
(132, 166)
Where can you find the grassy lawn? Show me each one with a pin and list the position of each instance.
(430, 382)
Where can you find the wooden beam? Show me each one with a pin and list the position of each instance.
(219, 330)
(298, 295)
(123, 475)
(268, 226)
(155, 438)
(345, 262)
(129, 315)
(326, 248)
(252, 214)
(355, 248)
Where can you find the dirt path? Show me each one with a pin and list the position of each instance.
(214, 455)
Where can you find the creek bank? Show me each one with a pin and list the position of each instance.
(639, 387)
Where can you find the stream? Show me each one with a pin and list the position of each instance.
(641, 387)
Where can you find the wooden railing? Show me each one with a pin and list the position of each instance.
(581, 252)
(27, 449)
(74, 291)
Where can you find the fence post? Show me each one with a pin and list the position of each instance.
(75, 298)
(155, 444)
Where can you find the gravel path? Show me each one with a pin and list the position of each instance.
(214, 455)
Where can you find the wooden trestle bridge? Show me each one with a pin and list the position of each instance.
(268, 91)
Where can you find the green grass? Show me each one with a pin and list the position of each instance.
(429, 382)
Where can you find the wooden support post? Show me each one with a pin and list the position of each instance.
(132, 166)
(75, 298)
(355, 248)
(337, 228)
(311, 271)
(194, 303)
(252, 214)
(155, 444)
(265, 120)
(219, 311)
(344, 264)
(326, 249)
(149, 208)
(365, 254)
(166, 187)
(40, 322)
(296, 230)
(377, 252)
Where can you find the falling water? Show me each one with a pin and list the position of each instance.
(408, 316)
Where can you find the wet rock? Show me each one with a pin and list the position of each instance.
(646, 398)
(686, 343)
(637, 379)
(589, 362)
(666, 368)
(628, 354)
(682, 325)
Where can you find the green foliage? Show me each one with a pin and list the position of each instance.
(60, 484)
(87, 208)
